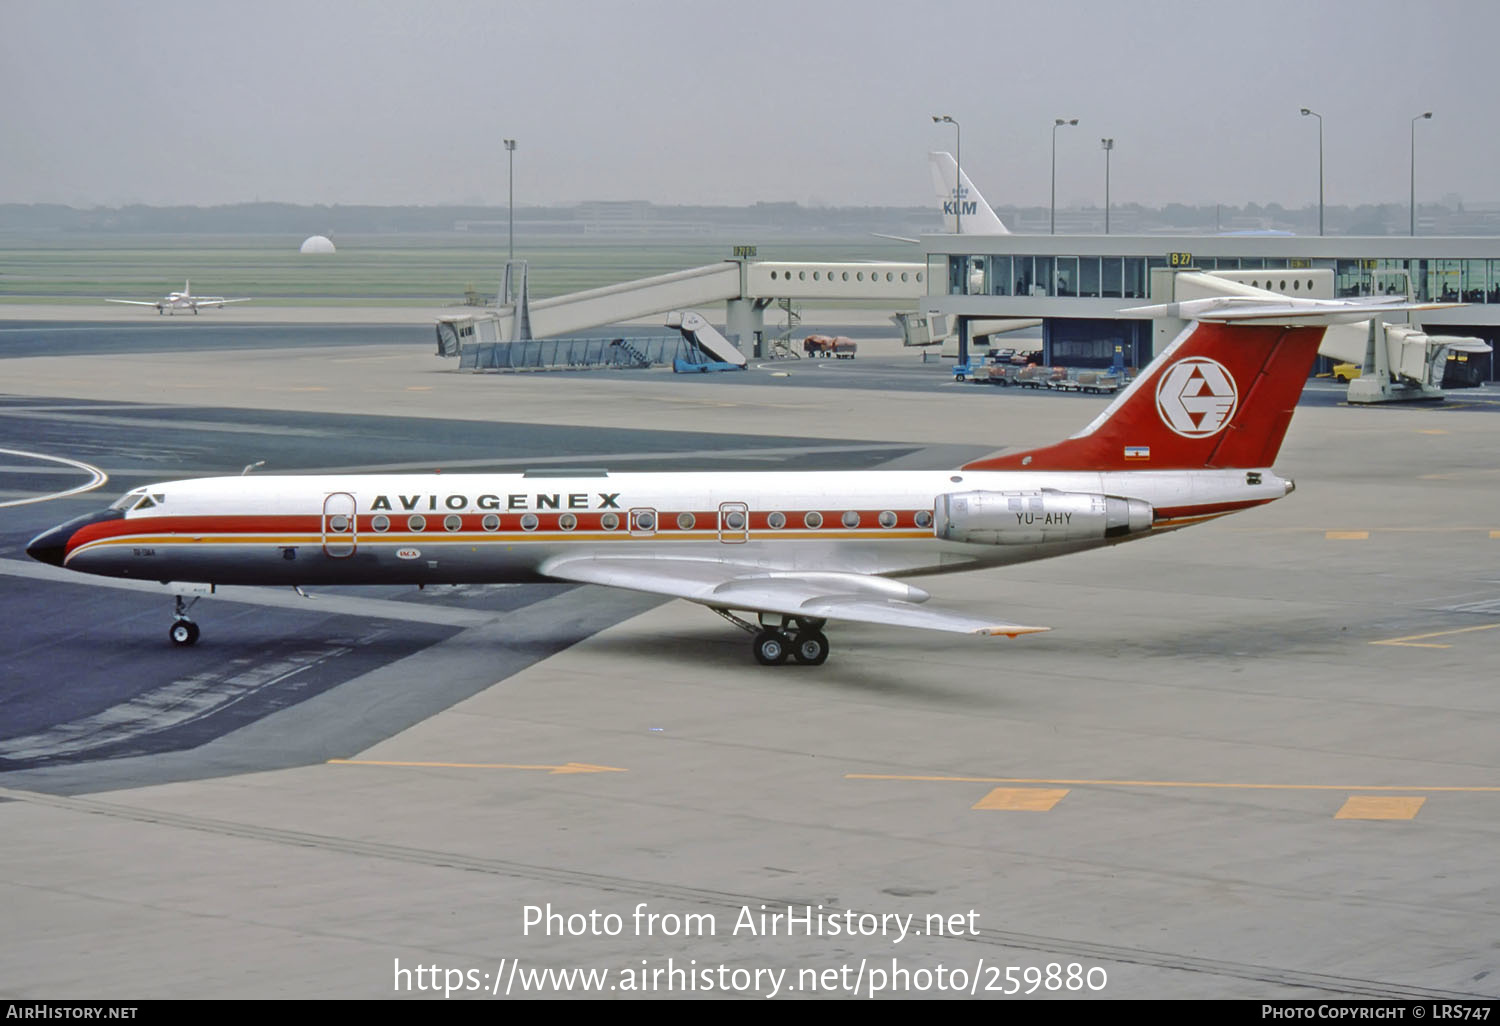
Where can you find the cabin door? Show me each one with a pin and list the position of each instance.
(339, 526)
(734, 522)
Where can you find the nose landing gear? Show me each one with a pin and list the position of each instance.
(183, 631)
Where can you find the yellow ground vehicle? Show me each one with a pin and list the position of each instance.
(1345, 371)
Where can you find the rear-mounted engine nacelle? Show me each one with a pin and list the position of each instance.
(1028, 518)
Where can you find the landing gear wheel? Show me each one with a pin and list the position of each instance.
(810, 648)
(183, 633)
(771, 648)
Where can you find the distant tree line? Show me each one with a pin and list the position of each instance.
(790, 218)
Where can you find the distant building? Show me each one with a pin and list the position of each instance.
(317, 244)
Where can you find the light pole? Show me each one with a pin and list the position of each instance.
(510, 150)
(1052, 219)
(1106, 145)
(958, 171)
(1427, 116)
(1313, 113)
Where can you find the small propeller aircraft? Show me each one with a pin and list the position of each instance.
(778, 554)
(184, 300)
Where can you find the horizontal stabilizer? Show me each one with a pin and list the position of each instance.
(1283, 309)
(696, 329)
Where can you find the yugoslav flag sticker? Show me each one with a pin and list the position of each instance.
(1197, 397)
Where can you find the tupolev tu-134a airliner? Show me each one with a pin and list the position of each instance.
(1193, 438)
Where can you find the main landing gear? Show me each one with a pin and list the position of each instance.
(798, 640)
(183, 632)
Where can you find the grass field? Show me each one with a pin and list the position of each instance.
(367, 269)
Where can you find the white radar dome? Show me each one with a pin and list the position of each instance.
(317, 244)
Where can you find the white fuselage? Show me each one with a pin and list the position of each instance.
(441, 528)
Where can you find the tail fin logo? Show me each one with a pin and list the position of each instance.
(1197, 397)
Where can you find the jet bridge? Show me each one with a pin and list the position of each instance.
(1401, 361)
(746, 287)
(1397, 361)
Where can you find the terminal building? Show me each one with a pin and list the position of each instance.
(1079, 284)
(1079, 288)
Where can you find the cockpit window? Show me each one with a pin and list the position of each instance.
(145, 503)
(129, 499)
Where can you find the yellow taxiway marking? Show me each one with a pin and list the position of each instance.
(570, 767)
(1432, 431)
(419, 388)
(1494, 535)
(307, 388)
(1346, 535)
(1171, 783)
(1022, 799)
(1415, 640)
(1365, 806)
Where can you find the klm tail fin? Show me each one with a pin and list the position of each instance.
(978, 218)
(1219, 397)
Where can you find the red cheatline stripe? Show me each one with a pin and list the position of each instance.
(434, 524)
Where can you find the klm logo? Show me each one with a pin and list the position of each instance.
(951, 207)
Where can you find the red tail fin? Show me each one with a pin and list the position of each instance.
(1220, 396)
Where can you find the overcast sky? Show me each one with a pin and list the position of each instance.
(727, 102)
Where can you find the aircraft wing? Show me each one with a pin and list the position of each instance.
(863, 598)
(135, 302)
